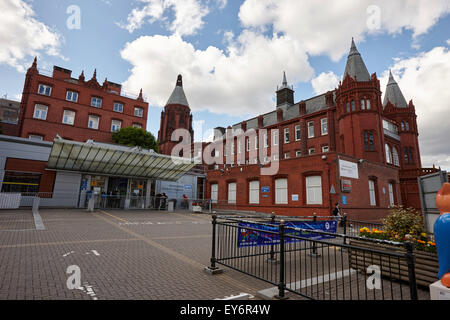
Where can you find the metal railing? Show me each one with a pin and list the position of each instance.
(296, 261)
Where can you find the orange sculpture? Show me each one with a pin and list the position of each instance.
(442, 234)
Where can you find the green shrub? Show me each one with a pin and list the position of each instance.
(401, 222)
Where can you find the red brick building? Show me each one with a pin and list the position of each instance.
(76, 108)
(345, 146)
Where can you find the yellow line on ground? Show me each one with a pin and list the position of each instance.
(111, 215)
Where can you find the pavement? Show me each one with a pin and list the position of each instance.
(62, 254)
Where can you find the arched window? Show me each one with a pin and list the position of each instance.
(368, 104)
(407, 125)
(403, 126)
(388, 154)
(363, 105)
(353, 105)
(395, 156)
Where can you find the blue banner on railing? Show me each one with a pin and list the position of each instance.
(253, 238)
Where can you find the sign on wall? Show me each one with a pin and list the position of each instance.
(348, 169)
(265, 189)
(346, 185)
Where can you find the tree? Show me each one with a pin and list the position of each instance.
(133, 137)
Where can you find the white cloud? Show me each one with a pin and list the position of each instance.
(325, 82)
(22, 36)
(240, 81)
(326, 27)
(425, 78)
(188, 15)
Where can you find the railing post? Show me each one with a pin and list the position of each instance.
(314, 246)
(344, 222)
(272, 251)
(410, 260)
(213, 269)
(282, 284)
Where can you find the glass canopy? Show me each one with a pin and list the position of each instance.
(114, 160)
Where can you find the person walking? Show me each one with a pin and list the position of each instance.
(337, 213)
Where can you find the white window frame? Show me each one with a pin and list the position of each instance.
(325, 149)
(44, 91)
(281, 191)
(311, 151)
(40, 112)
(247, 141)
(368, 107)
(90, 119)
(388, 153)
(313, 190)
(214, 193)
(69, 117)
(391, 194)
(287, 155)
(253, 192)
(118, 104)
(298, 153)
(395, 156)
(286, 135)
(266, 140)
(137, 125)
(372, 193)
(72, 96)
(310, 126)
(35, 137)
(97, 99)
(232, 147)
(138, 112)
(297, 133)
(324, 126)
(275, 138)
(232, 188)
(115, 124)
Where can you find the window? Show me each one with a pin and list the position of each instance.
(391, 194)
(275, 157)
(281, 191)
(369, 144)
(405, 155)
(216, 153)
(21, 182)
(311, 129)
(93, 122)
(232, 192)
(314, 190)
(266, 140)
(239, 146)
(72, 96)
(232, 147)
(325, 149)
(96, 102)
(410, 154)
(363, 105)
(248, 144)
(348, 107)
(324, 126)
(297, 133)
(368, 107)
(287, 155)
(116, 125)
(138, 112)
(312, 151)
(372, 194)
(275, 138)
(45, 90)
(403, 126)
(40, 112)
(388, 154)
(214, 193)
(256, 143)
(68, 117)
(298, 153)
(118, 107)
(353, 105)
(407, 125)
(253, 192)
(35, 137)
(286, 135)
(137, 125)
(395, 156)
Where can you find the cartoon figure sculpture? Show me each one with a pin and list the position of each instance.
(442, 234)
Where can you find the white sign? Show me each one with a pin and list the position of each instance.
(348, 169)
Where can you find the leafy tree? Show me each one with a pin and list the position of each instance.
(133, 137)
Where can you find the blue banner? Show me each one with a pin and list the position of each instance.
(253, 238)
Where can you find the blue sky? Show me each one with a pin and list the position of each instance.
(232, 53)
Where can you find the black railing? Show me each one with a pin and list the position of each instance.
(295, 261)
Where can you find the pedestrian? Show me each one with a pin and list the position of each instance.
(337, 213)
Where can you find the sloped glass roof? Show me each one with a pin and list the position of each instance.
(114, 160)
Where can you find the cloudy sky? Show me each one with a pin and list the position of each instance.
(232, 53)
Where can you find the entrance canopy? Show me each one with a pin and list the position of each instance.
(114, 160)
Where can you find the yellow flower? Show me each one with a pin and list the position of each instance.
(423, 234)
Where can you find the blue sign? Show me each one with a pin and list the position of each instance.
(265, 189)
(254, 238)
(83, 185)
(187, 187)
(344, 199)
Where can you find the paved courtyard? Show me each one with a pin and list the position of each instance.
(135, 255)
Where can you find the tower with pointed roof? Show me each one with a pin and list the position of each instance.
(359, 111)
(176, 115)
(285, 94)
(404, 115)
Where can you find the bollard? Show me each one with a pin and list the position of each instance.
(410, 260)
(282, 284)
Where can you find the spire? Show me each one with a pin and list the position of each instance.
(393, 94)
(81, 77)
(95, 74)
(284, 79)
(355, 67)
(178, 96)
(34, 65)
(285, 93)
(140, 98)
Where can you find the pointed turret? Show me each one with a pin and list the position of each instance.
(393, 94)
(355, 67)
(285, 94)
(178, 96)
(81, 77)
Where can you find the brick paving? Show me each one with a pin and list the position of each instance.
(129, 255)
